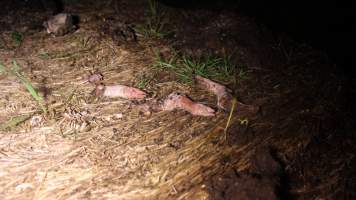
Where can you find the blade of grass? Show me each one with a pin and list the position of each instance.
(15, 71)
(230, 117)
(30, 88)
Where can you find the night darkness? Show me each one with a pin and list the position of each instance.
(324, 25)
(177, 99)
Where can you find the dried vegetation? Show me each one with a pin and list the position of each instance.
(86, 147)
(97, 148)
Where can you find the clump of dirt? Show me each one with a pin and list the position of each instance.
(261, 182)
(119, 31)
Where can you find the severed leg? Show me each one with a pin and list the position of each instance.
(224, 96)
(120, 91)
(211, 86)
(176, 101)
(180, 101)
(222, 92)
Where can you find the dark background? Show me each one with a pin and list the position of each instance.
(326, 26)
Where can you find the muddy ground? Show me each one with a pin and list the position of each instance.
(300, 145)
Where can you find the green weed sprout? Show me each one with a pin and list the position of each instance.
(155, 24)
(16, 38)
(15, 71)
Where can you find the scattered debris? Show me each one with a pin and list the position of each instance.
(75, 121)
(95, 78)
(60, 24)
(173, 101)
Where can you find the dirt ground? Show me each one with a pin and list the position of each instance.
(300, 145)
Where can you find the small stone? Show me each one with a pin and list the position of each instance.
(118, 116)
(59, 24)
(36, 120)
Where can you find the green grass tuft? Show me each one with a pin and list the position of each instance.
(155, 23)
(16, 38)
(143, 82)
(212, 67)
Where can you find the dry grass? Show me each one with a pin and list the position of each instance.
(130, 157)
(88, 148)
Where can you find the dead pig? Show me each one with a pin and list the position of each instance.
(60, 24)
